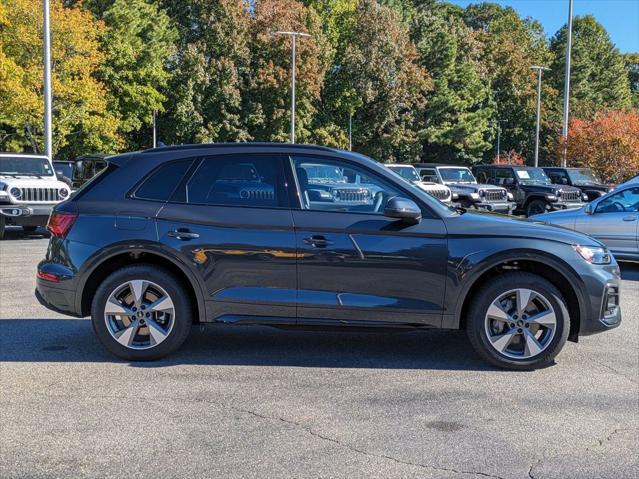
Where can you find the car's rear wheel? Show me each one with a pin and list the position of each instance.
(536, 207)
(141, 313)
(518, 321)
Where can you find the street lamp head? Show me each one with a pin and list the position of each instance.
(538, 67)
(296, 34)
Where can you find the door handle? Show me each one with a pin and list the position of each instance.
(629, 218)
(183, 234)
(318, 241)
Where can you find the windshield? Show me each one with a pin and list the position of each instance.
(25, 166)
(457, 175)
(324, 174)
(583, 176)
(532, 175)
(407, 172)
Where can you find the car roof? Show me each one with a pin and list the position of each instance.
(501, 167)
(399, 164)
(237, 145)
(4, 154)
(436, 165)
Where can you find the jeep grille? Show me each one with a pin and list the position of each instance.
(570, 195)
(439, 194)
(495, 195)
(359, 195)
(43, 195)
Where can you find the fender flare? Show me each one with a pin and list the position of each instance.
(140, 247)
(520, 255)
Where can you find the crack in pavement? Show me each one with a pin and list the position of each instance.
(308, 429)
(610, 368)
(600, 442)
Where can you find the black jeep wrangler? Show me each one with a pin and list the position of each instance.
(582, 178)
(532, 189)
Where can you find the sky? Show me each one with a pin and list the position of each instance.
(619, 17)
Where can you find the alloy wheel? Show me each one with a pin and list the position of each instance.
(139, 314)
(520, 323)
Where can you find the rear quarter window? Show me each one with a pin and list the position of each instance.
(159, 186)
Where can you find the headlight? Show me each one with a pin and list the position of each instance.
(15, 192)
(474, 196)
(455, 196)
(63, 192)
(594, 254)
(510, 197)
(584, 197)
(551, 198)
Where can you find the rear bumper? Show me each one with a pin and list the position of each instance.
(55, 298)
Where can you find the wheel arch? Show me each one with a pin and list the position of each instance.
(134, 254)
(537, 262)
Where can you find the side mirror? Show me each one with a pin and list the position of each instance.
(564, 181)
(403, 209)
(589, 209)
(509, 181)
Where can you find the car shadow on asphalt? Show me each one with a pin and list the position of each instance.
(16, 233)
(73, 340)
(629, 271)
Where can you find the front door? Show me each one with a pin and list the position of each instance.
(354, 263)
(615, 221)
(230, 220)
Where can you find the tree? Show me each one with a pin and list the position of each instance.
(598, 76)
(212, 68)
(381, 82)
(458, 109)
(631, 61)
(608, 143)
(511, 45)
(81, 119)
(136, 44)
(268, 96)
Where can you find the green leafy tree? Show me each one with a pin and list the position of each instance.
(136, 44)
(458, 111)
(212, 67)
(382, 84)
(511, 45)
(598, 79)
(631, 61)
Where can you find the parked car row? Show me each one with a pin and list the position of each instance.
(312, 237)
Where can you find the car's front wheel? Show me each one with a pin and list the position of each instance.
(518, 321)
(141, 313)
(536, 207)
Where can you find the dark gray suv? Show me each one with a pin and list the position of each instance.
(238, 234)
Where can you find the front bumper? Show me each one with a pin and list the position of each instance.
(603, 288)
(27, 214)
(559, 205)
(506, 207)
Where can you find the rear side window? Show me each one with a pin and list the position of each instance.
(163, 181)
(236, 180)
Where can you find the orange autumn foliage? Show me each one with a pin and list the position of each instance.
(509, 158)
(608, 143)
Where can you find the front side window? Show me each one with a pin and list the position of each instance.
(626, 201)
(25, 166)
(504, 176)
(407, 172)
(347, 188)
(237, 180)
(430, 175)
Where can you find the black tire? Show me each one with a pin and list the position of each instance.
(2, 225)
(484, 297)
(183, 312)
(536, 207)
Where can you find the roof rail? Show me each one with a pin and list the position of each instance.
(198, 146)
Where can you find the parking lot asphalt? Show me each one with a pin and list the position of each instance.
(258, 402)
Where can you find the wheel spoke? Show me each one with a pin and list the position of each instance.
(138, 288)
(162, 304)
(126, 336)
(523, 298)
(545, 318)
(533, 347)
(156, 333)
(112, 306)
(495, 311)
(502, 341)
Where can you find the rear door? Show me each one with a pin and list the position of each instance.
(354, 263)
(615, 221)
(230, 220)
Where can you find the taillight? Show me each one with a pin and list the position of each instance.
(60, 223)
(48, 277)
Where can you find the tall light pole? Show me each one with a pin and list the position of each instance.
(155, 142)
(48, 137)
(564, 130)
(350, 132)
(539, 70)
(293, 36)
(499, 122)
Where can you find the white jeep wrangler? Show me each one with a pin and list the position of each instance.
(29, 189)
